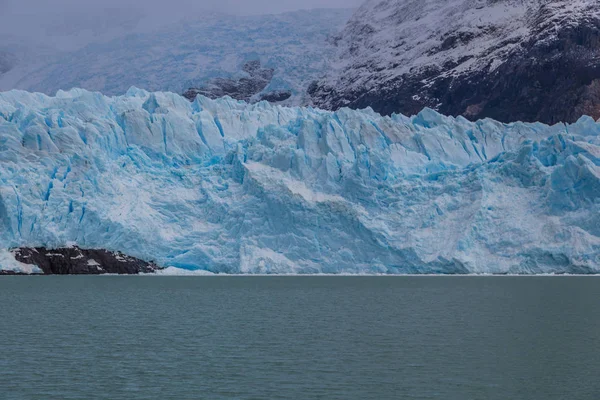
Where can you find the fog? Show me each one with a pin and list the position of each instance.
(46, 20)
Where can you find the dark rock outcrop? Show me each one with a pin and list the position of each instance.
(76, 261)
(276, 96)
(257, 79)
(528, 60)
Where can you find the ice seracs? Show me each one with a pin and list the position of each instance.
(228, 187)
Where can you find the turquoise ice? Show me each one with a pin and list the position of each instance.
(225, 186)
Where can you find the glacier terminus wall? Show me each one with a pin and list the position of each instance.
(224, 186)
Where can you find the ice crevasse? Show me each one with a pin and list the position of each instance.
(224, 186)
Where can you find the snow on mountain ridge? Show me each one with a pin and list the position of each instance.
(423, 27)
(225, 186)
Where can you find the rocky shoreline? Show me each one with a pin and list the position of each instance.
(78, 261)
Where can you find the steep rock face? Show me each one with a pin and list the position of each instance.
(227, 186)
(76, 261)
(511, 60)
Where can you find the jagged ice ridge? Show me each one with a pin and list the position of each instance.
(224, 186)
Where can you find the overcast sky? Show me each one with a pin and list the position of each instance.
(232, 6)
(36, 18)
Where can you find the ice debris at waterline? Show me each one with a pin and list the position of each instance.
(224, 186)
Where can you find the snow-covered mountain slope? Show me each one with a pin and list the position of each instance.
(230, 187)
(512, 60)
(192, 52)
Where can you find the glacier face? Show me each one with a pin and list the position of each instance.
(224, 186)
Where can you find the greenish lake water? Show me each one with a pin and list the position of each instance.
(300, 338)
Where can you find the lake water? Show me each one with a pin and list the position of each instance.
(300, 338)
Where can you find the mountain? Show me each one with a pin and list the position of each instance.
(226, 186)
(194, 53)
(511, 60)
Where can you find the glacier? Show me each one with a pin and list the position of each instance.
(229, 187)
(182, 54)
